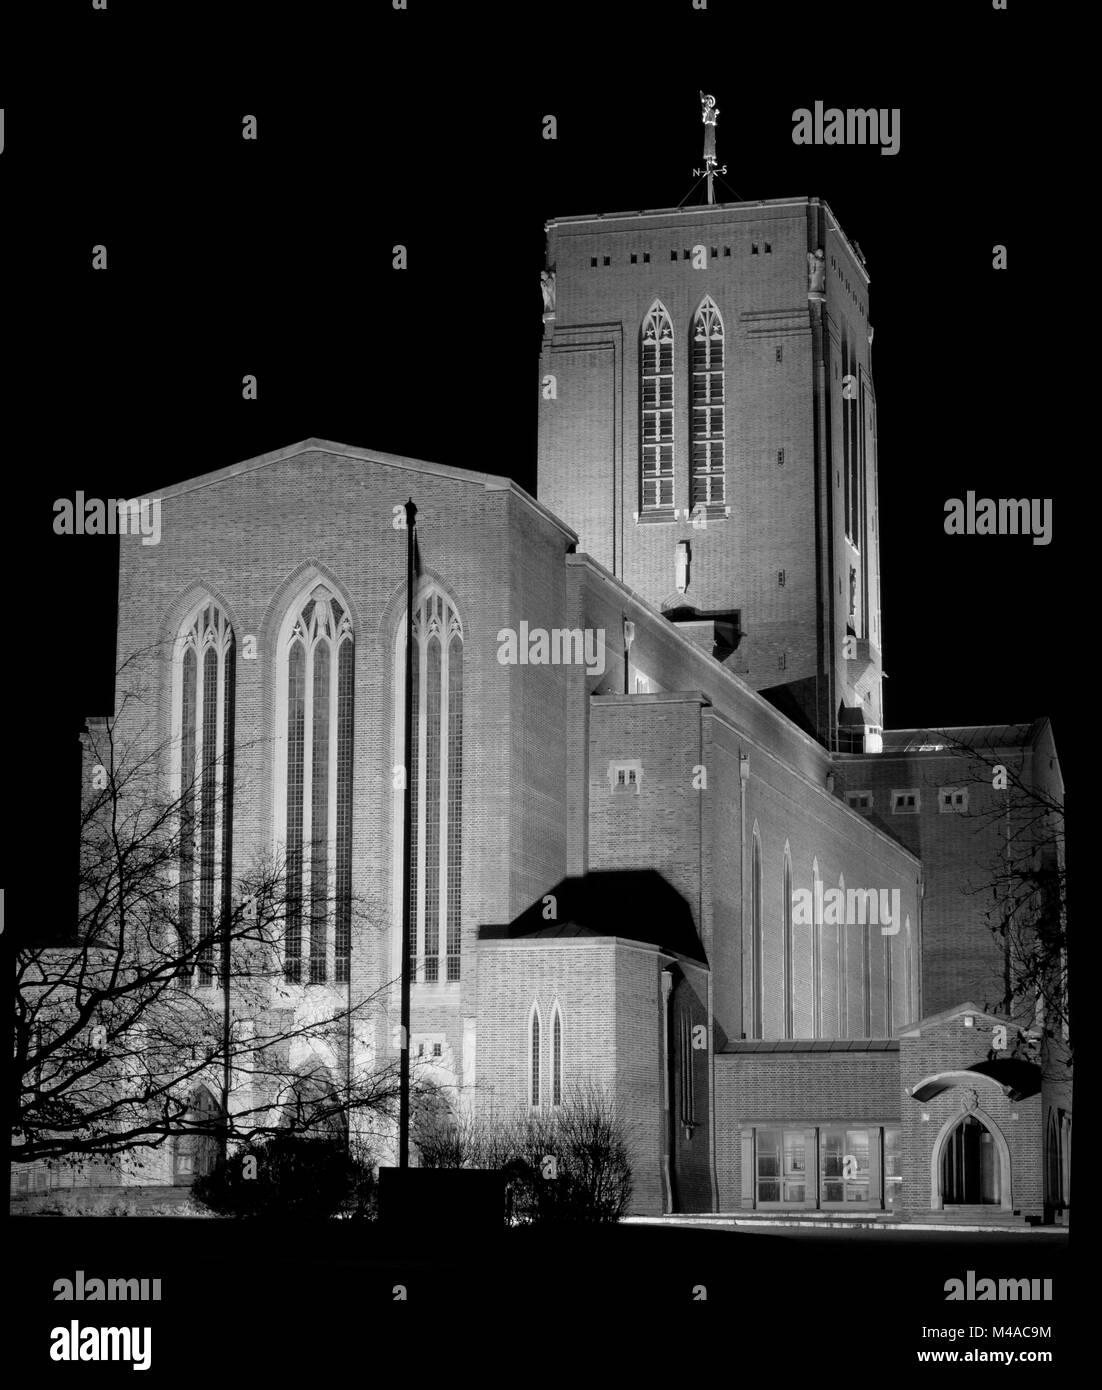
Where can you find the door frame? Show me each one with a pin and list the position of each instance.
(1002, 1149)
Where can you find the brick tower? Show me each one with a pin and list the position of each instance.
(708, 427)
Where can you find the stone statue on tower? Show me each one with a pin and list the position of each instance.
(709, 115)
(547, 285)
(816, 274)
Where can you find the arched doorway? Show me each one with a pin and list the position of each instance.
(971, 1166)
(195, 1150)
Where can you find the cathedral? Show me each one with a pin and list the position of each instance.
(662, 841)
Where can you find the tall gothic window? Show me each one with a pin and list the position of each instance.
(688, 1080)
(556, 1056)
(205, 700)
(317, 675)
(708, 434)
(436, 786)
(787, 919)
(757, 947)
(656, 407)
(534, 1045)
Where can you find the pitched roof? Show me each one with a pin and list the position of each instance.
(491, 482)
(911, 1030)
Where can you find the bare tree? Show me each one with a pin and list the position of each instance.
(118, 1025)
(1019, 885)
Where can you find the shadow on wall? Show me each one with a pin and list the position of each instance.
(637, 904)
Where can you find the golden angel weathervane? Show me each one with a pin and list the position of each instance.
(709, 114)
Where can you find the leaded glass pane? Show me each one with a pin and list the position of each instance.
(455, 803)
(187, 796)
(708, 422)
(319, 813)
(415, 803)
(656, 406)
(556, 1059)
(345, 695)
(207, 795)
(432, 810)
(535, 1059)
(296, 733)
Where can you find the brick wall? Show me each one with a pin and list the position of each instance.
(710, 723)
(252, 536)
(588, 470)
(963, 857)
(611, 998)
(781, 356)
(947, 1044)
(512, 975)
(796, 1088)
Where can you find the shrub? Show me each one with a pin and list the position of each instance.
(294, 1176)
(585, 1136)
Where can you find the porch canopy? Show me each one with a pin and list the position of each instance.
(1018, 1078)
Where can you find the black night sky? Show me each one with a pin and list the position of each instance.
(273, 257)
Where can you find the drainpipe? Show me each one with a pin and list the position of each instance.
(667, 1124)
(348, 1054)
(711, 1002)
(744, 777)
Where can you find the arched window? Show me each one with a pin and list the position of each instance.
(757, 947)
(909, 992)
(656, 407)
(436, 785)
(556, 1056)
(688, 1079)
(707, 480)
(204, 698)
(316, 674)
(534, 1070)
(787, 919)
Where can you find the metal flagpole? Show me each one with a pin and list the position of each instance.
(407, 837)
